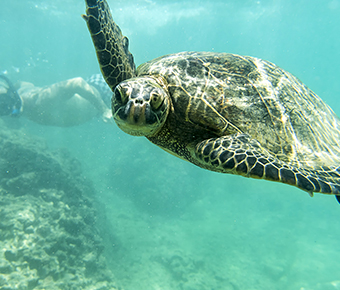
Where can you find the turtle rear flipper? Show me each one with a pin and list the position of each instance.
(239, 154)
(115, 60)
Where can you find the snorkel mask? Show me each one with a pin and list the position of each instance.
(10, 102)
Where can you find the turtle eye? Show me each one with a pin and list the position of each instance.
(119, 96)
(156, 101)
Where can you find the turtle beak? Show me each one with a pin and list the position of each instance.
(135, 117)
(138, 112)
(140, 106)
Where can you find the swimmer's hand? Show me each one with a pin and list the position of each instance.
(107, 116)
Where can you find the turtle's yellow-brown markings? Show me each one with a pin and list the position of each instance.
(222, 112)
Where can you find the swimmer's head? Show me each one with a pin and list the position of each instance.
(10, 101)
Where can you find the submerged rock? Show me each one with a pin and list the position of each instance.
(48, 234)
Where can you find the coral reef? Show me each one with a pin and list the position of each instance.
(48, 233)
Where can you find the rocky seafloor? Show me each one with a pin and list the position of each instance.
(48, 233)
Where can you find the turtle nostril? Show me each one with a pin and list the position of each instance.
(139, 101)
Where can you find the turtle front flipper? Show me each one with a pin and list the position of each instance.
(239, 154)
(115, 60)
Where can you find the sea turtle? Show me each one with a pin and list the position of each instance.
(222, 112)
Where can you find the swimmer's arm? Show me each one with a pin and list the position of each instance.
(65, 90)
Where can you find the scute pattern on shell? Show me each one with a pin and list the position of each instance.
(253, 96)
(269, 124)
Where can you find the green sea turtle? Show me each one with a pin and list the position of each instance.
(222, 112)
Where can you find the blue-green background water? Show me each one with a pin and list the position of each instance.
(170, 225)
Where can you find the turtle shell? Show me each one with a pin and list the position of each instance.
(221, 94)
(225, 112)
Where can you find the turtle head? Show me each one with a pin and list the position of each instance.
(140, 105)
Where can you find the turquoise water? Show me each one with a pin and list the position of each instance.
(170, 225)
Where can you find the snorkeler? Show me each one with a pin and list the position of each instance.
(10, 101)
(63, 104)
